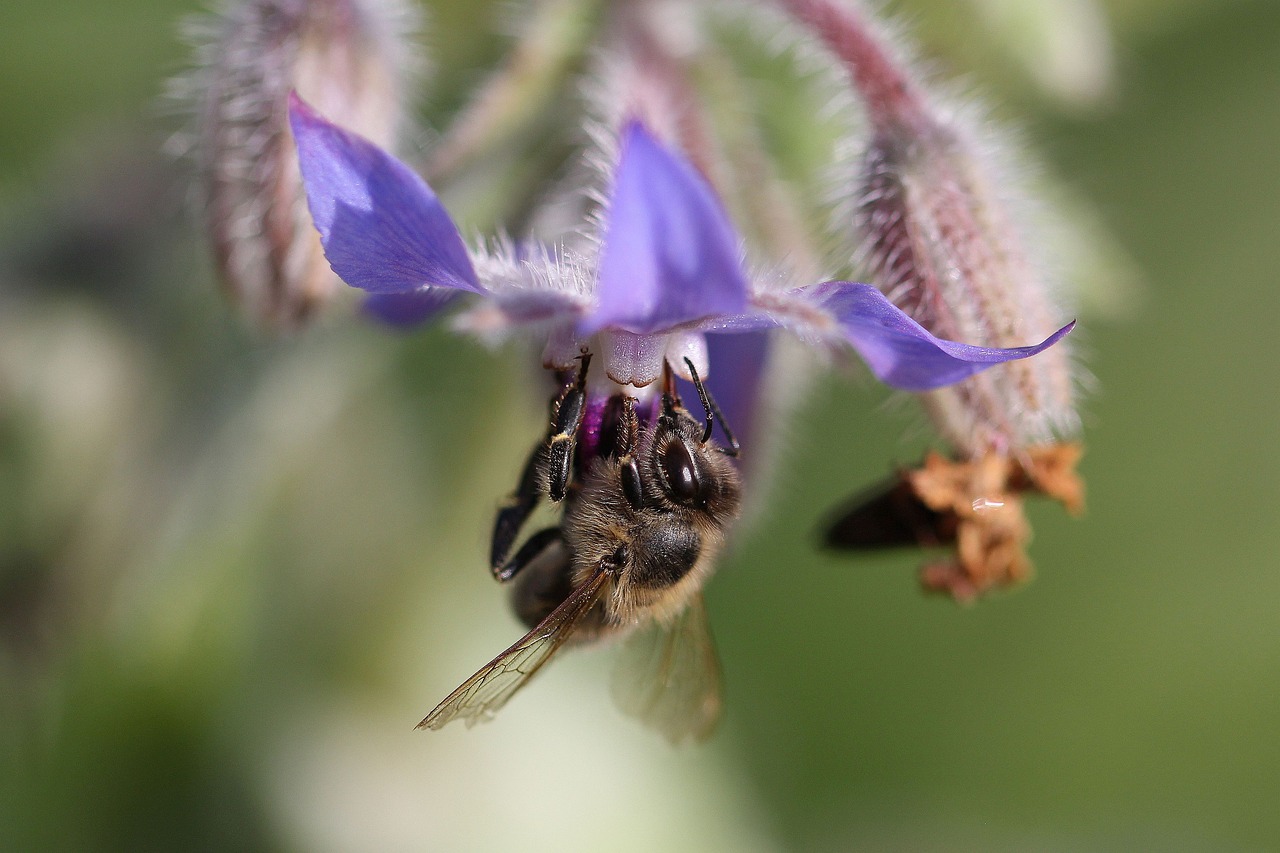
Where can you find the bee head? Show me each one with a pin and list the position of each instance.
(691, 471)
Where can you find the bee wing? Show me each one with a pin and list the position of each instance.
(481, 695)
(669, 676)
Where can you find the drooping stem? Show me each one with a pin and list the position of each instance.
(652, 81)
(511, 100)
(894, 103)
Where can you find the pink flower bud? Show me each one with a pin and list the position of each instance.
(350, 59)
(945, 237)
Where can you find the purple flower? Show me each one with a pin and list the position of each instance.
(665, 270)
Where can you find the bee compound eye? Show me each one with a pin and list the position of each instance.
(681, 473)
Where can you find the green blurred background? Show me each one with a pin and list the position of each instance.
(234, 572)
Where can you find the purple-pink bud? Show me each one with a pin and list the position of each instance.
(945, 238)
(347, 57)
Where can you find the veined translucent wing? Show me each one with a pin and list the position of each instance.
(669, 676)
(481, 695)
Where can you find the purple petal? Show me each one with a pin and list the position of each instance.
(899, 351)
(382, 227)
(409, 309)
(670, 254)
(529, 306)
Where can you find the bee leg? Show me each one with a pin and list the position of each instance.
(628, 438)
(547, 579)
(566, 415)
(713, 411)
(515, 510)
(564, 433)
(529, 551)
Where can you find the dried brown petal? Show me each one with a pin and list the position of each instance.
(974, 508)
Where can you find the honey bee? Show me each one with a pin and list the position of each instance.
(646, 508)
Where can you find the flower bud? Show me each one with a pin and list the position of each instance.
(350, 59)
(944, 238)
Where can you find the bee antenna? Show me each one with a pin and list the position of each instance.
(712, 411)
